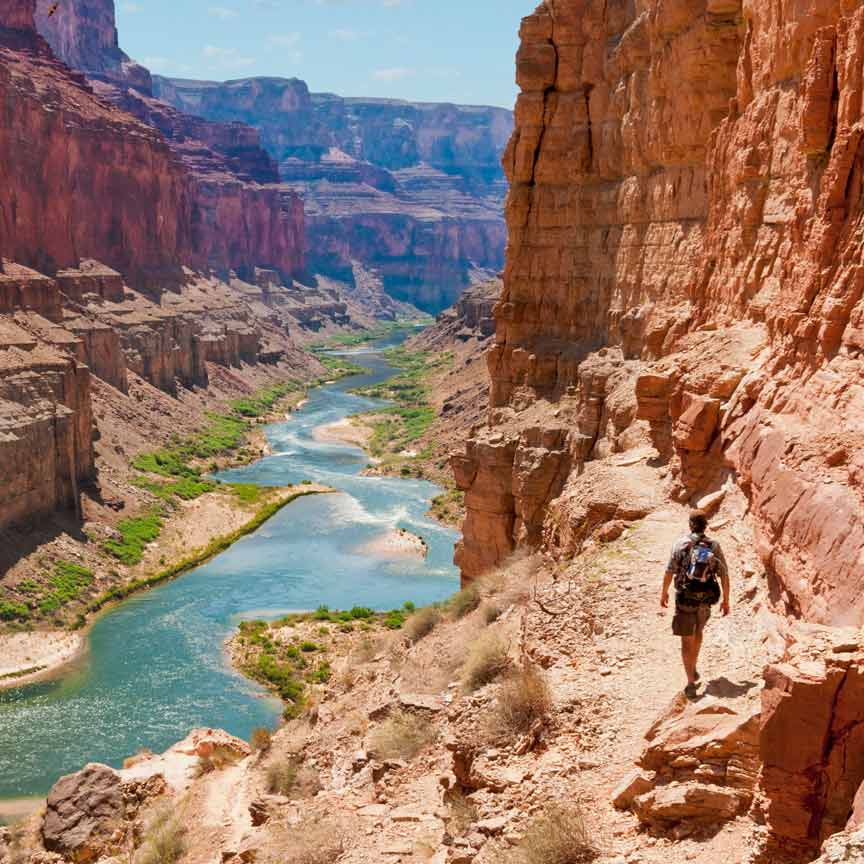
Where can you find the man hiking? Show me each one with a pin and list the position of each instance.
(699, 569)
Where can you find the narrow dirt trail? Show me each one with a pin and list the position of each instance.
(628, 670)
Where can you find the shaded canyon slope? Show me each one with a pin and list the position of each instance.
(122, 247)
(683, 292)
(411, 192)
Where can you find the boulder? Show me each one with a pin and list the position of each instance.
(700, 761)
(84, 819)
(689, 802)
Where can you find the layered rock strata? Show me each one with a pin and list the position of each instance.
(411, 191)
(684, 195)
(682, 271)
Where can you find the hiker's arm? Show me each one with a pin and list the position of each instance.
(724, 581)
(667, 581)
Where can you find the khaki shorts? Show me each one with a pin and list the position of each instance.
(690, 620)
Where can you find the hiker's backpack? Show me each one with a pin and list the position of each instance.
(696, 581)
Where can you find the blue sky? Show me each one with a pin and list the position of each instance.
(436, 50)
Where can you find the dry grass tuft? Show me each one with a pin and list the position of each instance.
(219, 759)
(164, 839)
(141, 756)
(464, 602)
(524, 699)
(487, 661)
(559, 837)
(401, 736)
(490, 612)
(315, 843)
(421, 624)
(261, 740)
(292, 779)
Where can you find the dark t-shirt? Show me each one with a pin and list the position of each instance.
(680, 556)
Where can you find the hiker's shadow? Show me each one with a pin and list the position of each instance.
(723, 688)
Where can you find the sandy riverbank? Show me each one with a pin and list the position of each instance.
(27, 657)
(347, 431)
(397, 543)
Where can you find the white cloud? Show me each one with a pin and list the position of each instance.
(223, 13)
(226, 58)
(395, 73)
(285, 40)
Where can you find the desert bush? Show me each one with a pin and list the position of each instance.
(216, 760)
(292, 779)
(524, 698)
(261, 740)
(422, 623)
(315, 843)
(490, 612)
(464, 602)
(558, 837)
(401, 736)
(486, 662)
(164, 840)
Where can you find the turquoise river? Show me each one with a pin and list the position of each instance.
(156, 668)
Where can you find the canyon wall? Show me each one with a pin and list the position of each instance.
(83, 33)
(411, 191)
(683, 273)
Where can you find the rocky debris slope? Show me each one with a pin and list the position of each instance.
(412, 191)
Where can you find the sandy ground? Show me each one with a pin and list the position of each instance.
(13, 809)
(397, 543)
(40, 651)
(345, 431)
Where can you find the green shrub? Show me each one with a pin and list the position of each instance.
(10, 611)
(68, 581)
(135, 534)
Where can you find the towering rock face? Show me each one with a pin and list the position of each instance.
(84, 34)
(411, 191)
(686, 200)
(232, 218)
(685, 238)
(17, 15)
(82, 179)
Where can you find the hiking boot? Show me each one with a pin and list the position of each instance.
(691, 691)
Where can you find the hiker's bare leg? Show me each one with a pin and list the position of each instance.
(697, 647)
(689, 654)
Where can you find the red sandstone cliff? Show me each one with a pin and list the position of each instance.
(84, 34)
(683, 269)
